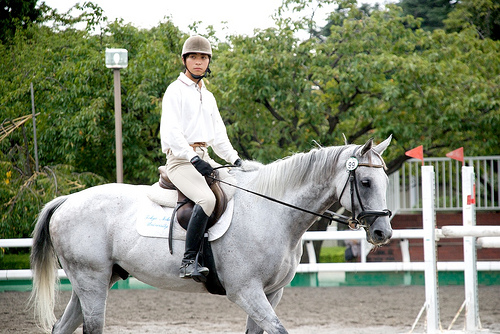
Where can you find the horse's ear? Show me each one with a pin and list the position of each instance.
(345, 139)
(366, 147)
(380, 148)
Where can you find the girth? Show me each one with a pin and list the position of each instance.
(185, 206)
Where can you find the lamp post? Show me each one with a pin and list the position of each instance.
(117, 59)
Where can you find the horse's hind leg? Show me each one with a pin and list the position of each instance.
(93, 303)
(73, 315)
(71, 318)
(90, 290)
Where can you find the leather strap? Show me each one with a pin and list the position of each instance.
(198, 144)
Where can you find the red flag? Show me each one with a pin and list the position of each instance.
(458, 154)
(417, 153)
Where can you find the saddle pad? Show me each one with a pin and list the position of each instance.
(154, 221)
(163, 197)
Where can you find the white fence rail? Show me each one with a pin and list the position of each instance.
(405, 192)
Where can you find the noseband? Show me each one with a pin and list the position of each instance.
(355, 222)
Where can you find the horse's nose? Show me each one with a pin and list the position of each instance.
(381, 233)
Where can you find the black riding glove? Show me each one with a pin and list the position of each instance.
(202, 166)
(237, 163)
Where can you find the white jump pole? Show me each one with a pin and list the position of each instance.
(488, 242)
(486, 231)
(468, 231)
(430, 250)
(472, 322)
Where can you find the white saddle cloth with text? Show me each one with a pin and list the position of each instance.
(154, 217)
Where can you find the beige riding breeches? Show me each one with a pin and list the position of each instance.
(188, 180)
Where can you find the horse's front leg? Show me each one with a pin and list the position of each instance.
(274, 298)
(257, 306)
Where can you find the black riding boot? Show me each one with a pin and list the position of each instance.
(194, 237)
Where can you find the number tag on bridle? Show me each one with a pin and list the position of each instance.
(351, 164)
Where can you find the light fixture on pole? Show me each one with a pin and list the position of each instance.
(117, 59)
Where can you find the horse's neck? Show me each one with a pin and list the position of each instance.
(316, 195)
(305, 180)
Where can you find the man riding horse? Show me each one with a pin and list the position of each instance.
(190, 123)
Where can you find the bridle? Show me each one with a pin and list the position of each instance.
(354, 222)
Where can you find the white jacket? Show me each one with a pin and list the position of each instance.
(190, 115)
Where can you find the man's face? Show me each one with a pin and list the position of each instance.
(197, 63)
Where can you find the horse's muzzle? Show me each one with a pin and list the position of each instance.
(378, 232)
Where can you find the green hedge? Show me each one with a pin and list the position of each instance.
(332, 255)
(14, 261)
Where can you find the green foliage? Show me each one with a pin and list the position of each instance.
(481, 15)
(74, 93)
(371, 76)
(332, 255)
(23, 196)
(14, 15)
(263, 96)
(14, 261)
(432, 12)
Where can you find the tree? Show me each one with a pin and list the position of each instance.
(263, 94)
(74, 95)
(15, 14)
(483, 15)
(371, 76)
(432, 12)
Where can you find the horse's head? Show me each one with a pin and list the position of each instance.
(364, 190)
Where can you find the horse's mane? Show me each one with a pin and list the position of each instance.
(272, 179)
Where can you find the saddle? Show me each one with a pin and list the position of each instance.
(185, 206)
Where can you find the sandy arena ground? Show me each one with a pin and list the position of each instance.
(335, 310)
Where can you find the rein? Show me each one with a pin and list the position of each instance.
(342, 219)
(353, 222)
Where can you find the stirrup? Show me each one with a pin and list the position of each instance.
(193, 270)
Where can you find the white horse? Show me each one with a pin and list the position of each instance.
(92, 233)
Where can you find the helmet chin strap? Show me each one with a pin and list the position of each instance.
(199, 77)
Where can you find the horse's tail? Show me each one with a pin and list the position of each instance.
(44, 267)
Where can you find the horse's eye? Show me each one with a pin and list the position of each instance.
(366, 183)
